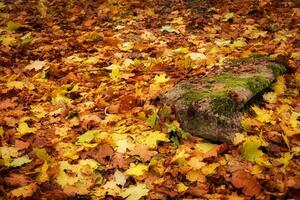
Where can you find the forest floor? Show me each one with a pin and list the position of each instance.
(79, 110)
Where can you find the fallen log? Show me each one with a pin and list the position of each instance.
(211, 106)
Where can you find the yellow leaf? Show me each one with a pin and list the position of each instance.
(7, 40)
(137, 170)
(296, 55)
(180, 156)
(15, 84)
(195, 175)
(38, 111)
(161, 78)
(228, 16)
(279, 87)
(24, 129)
(195, 163)
(135, 192)
(262, 115)
(1, 132)
(238, 44)
(204, 147)
(36, 65)
(197, 56)
(181, 187)
(126, 46)
(270, 97)
(238, 138)
(210, 169)
(24, 191)
(154, 137)
(294, 121)
(43, 176)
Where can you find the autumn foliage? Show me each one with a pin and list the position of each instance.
(79, 84)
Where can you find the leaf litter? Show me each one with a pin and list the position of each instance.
(79, 117)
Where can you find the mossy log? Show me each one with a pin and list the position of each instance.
(211, 106)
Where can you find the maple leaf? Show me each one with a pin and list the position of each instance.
(195, 175)
(1, 132)
(25, 191)
(137, 170)
(243, 179)
(279, 87)
(42, 154)
(210, 169)
(17, 162)
(135, 192)
(38, 111)
(205, 147)
(15, 84)
(285, 159)
(36, 65)
(238, 44)
(24, 129)
(153, 137)
(181, 187)
(143, 151)
(270, 97)
(262, 115)
(115, 73)
(88, 136)
(197, 56)
(7, 40)
(120, 178)
(43, 176)
(251, 149)
(152, 120)
(12, 26)
(161, 78)
(17, 179)
(228, 16)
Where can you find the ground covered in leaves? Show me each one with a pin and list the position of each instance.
(79, 84)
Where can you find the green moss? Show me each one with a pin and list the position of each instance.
(277, 69)
(257, 84)
(229, 80)
(223, 104)
(194, 95)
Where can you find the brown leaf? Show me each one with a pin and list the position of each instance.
(111, 41)
(17, 179)
(21, 144)
(127, 102)
(243, 179)
(294, 182)
(118, 161)
(7, 103)
(88, 119)
(25, 191)
(199, 190)
(114, 108)
(143, 151)
(105, 154)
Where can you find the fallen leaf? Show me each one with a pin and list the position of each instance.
(243, 179)
(137, 170)
(14, 179)
(135, 192)
(143, 152)
(25, 191)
